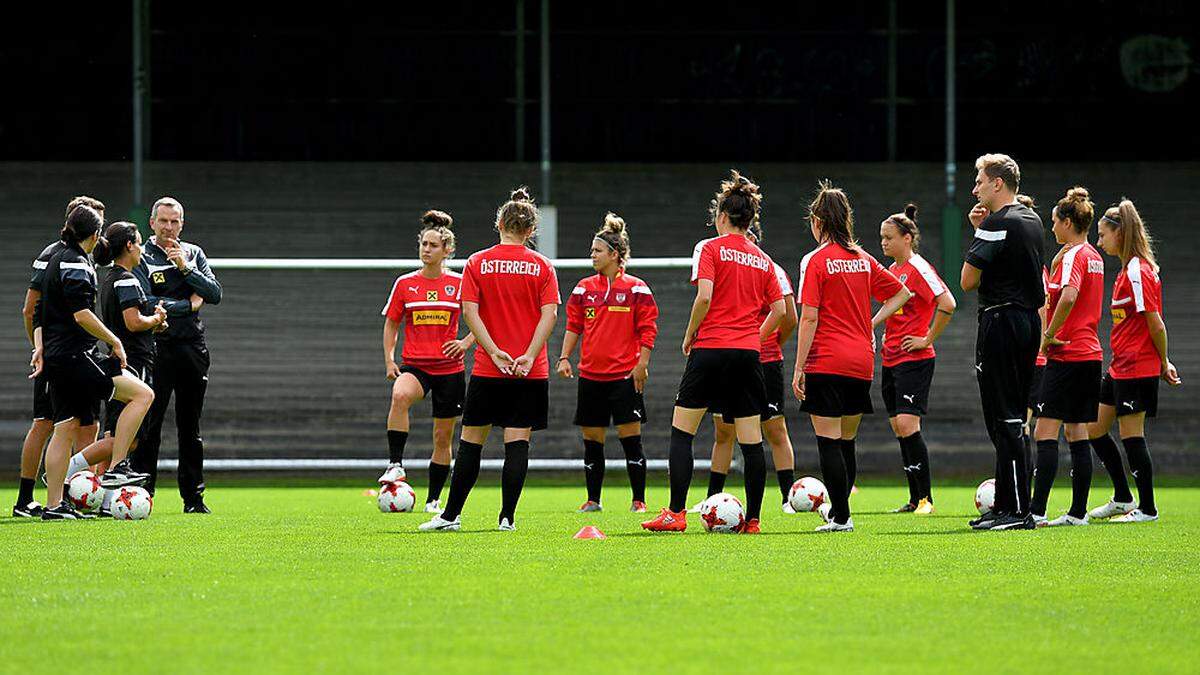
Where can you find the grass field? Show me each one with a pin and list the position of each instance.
(314, 578)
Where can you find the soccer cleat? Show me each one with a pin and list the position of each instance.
(122, 475)
(434, 506)
(984, 521)
(64, 511)
(590, 507)
(1136, 516)
(1067, 519)
(104, 512)
(824, 510)
(698, 507)
(395, 471)
(833, 526)
(1013, 521)
(637, 507)
(667, 521)
(196, 507)
(506, 525)
(440, 524)
(751, 527)
(786, 507)
(1112, 509)
(924, 507)
(1040, 521)
(30, 510)
(907, 508)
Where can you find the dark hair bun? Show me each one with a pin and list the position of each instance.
(521, 194)
(102, 254)
(910, 211)
(435, 218)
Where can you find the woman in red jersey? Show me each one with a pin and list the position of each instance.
(835, 350)
(908, 355)
(1129, 390)
(510, 302)
(774, 425)
(426, 303)
(734, 279)
(616, 315)
(1070, 388)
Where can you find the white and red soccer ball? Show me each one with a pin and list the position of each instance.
(985, 495)
(131, 503)
(84, 490)
(722, 512)
(807, 494)
(396, 497)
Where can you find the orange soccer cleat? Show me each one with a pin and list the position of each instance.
(751, 527)
(667, 521)
(637, 507)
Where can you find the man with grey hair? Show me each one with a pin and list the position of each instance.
(178, 274)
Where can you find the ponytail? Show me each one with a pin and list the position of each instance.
(114, 243)
(906, 223)
(1136, 241)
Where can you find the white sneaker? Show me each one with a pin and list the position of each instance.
(837, 527)
(1067, 519)
(823, 510)
(697, 508)
(1136, 516)
(786, 507)
(1040, 521)
(434, 507)
(394, 473)
(440, 524)
(1112, 509)
(506, 525)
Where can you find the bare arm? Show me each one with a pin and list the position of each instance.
(136, 322)
(889, 308)
(563, 365)
(27, 311)
(969, 279)
(700, 306)
(941, 318)
(807, 330)
(770, 323)
(787, 325)
(391, 336)
(1066, 302)
(1158, 335)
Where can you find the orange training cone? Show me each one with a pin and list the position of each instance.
(590, 532)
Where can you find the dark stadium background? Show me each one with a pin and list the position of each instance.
(290, 131)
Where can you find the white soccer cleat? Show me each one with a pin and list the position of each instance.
(698, 507)
(1040, 521)
(786, 507)
(823, 510)
(1066, 519)
(832, 526)
(506, 525)
(434, 507)
(1112, 509)
(1136, 516)
(394, 473)
(440, 524)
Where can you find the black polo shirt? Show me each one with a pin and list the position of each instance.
(119, 291)
(68, 286)
(1008, 249)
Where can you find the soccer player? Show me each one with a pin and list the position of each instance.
(77, 375)
(1039, 373)
(774, 424)
(835, 348)
(1004, 263)
(175, 271)
(510, 302)
(1129, 390)
(426, 303)
(617, 317)
(1070, 389)
(43, 410)
(908, 355)
(734, 279)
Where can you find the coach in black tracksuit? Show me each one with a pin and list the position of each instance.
(1004, 262)
(175, 270)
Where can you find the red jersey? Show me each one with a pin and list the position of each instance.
(1138, 290)
(1041, 356)
(1082, 268)
(616, 319)
(510, 283)
(429, 310)
(840, 284)
(771, 349)
(915, 317)
(743, 281)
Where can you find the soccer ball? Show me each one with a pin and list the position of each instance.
(131, 503)
(807, 494)
(722, 512)
(985, 495)
(396, 496)
(84, 491)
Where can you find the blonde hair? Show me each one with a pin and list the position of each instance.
(518, 215)
(615, 235)
(438, 222)
(1136, 241)
(995, 165)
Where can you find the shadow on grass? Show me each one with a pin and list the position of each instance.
(964, 530)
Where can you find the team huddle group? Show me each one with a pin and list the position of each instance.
(1038, 352)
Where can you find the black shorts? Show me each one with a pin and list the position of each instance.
(906, 387)
(447, 392)
(1070, 391)
(78, 383)
(836, 395)
(603, 402)
(112, 409)
(506, 402)
(43, 407)
(1132, 396)
(773, 387)
(1035, 389)
(726, 380)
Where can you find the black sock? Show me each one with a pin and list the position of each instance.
(1110, 457)
(396, 441)
(716, 482)
(512, 477)
(635, 463)
(1027, 439)
(466, 472)
(1043, 479)
(1143, 472)
(593, 468)
(437, 478)
(25, 492)
(756, 477)
(786, 477)
(1081, 477)
(680, 465)
(833, 472)
(848, 456)
(914, 492)
(918, 458)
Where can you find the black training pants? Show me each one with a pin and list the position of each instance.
(1005, 349)
(180, 368)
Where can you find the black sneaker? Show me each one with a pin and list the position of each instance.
(1013, 521)
(64, 511)
(103, 512)
(985, 521)
(122, 475)
(196, 507)
(30, 510)
(908, 507)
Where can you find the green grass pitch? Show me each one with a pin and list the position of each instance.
(316, 579)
